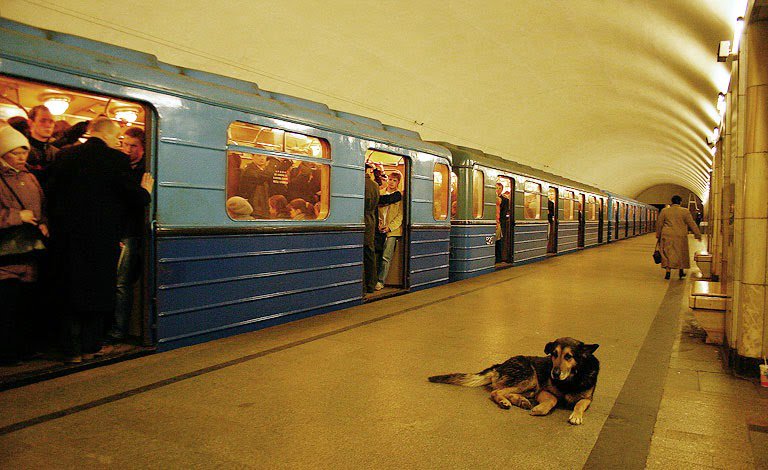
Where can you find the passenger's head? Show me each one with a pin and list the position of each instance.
(105, 129)
(301, 209)
(278, 206)
(41, 123)
(239, 207)
(394, 180)
(133, 144)
(499, 189)
(676, 199)
(20, 124)
(14, 147)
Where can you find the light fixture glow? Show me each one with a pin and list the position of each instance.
(56, 104)
(721, 104)
(716, 134)
(128, 115)
(737, 31)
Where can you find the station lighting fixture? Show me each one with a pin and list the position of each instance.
(716, 134)
(56, 104)
(721, 104)
(737, 31)
(723, 51)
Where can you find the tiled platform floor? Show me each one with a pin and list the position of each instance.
(349, 389)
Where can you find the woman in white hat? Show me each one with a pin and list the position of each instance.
(21, 202)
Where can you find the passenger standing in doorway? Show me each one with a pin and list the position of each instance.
(502, 220)
(42, 151)
(392, 228)
(371, 219)
(129, 263)
(21, 202)
(91, 193)
(672, 233)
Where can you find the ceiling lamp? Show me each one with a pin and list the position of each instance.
(56, 104)
(721, 104)
(128, 114)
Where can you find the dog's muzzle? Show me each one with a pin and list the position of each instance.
(559, 374)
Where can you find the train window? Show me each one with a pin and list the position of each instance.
(441, 178)
(478, 193)
(568, 205)
(532, 200)
(276, 140)
(592, 208)
(454, 194)
(268, 187)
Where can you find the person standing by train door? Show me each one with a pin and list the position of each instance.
(392, 228)
(129, 263)
(371, 219)
(91, 190)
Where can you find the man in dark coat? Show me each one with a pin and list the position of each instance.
(90, 192)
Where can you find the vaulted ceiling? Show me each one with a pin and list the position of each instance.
(618, 94)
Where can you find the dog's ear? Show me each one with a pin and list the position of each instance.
(588, 349)
(550, 347)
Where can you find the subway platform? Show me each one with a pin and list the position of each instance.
(349, 389)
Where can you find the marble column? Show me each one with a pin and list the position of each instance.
(752, 334)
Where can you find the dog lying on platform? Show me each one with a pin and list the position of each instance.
(568, 375)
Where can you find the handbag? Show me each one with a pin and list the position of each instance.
(657, 254)
(21, 239)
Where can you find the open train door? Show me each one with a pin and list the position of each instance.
(552, 207)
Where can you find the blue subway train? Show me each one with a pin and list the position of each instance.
(257, 216)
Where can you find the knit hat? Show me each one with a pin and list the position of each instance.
(10, 139)
(239, 206)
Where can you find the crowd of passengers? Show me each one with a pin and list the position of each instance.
(272, 188)
(72, 216)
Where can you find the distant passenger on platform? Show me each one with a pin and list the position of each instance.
(129, 264)
(91, 192)
(21, 205)
(672, 233)
(392, 228)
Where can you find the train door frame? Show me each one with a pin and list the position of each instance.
(508, 242)
(149, 239)
(626, 220)
(617, 218)
(402, 250)
(582, 221)
(600, 220)
(554, 220)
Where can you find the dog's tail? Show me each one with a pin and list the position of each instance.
(468, 380)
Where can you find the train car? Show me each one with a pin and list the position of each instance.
(628, 217)
(212, 270)
(505, 213)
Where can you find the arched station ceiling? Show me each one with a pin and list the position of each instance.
(618, 94)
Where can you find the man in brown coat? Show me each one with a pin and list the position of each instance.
(672, 233)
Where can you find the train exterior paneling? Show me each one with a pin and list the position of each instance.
(472, 250)
(211, 276)
(215, 286)
(530, 242)
(567, 236)
(591, 233)
(430, 249)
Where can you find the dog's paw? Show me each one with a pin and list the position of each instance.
(539, 410)
(576, 418)
(524, 404)
(504, 404)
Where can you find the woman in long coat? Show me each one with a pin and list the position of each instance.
(672, 233)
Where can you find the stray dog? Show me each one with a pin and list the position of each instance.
(569, 374)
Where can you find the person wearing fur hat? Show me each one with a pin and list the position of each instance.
(239, 208)
(21, 202)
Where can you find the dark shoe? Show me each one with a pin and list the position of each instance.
(88, 357)
(73, 359)
(682, 274)
(666, 276)
(106, 349)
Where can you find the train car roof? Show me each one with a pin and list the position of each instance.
(627, 199)
(466, 156)
(121, 65)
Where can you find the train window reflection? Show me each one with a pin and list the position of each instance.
(532, 200)
(592, 208)
(478, 193)
(441, 178)
(568, 205)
